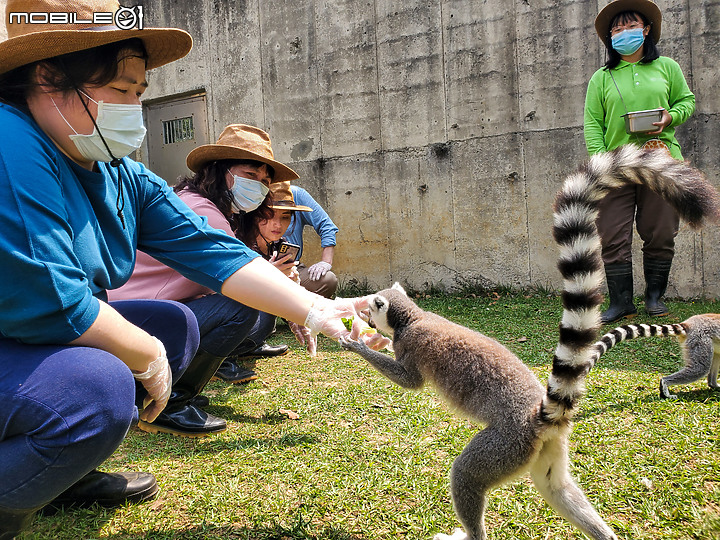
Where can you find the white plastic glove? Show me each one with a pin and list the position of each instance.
(318, 270)
(304, 337)
(325, 317)
(294, 275)
(157, 380)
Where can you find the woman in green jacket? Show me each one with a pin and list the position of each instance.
(635, 78)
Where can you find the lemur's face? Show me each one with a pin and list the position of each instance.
(378, 308)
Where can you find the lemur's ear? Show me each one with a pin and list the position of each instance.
(396, 286)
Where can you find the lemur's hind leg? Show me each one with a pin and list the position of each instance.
(493, 456)
(698, 356)
(551, 476)
(713, 375)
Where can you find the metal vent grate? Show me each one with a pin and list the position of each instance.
(178, 130)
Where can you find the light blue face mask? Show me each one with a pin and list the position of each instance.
(247, 194)
(628, 41)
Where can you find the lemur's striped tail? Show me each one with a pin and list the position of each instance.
(580, 265)
(632, 331)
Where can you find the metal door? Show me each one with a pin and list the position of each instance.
(174, 129)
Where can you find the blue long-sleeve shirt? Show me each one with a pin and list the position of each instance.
(318, 219)
(62, 244)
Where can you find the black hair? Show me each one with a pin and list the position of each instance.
(67, 72)
(651, 51)
(209, 182)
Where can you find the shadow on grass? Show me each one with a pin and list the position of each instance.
(690, 396)
(213, 445)
(86, 523)
(231, 413)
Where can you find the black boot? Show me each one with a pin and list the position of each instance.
(14, 521)
(620, 289)
(180, 416)
(657, 272)
(230, 372)
(105, 489)
(264, 351)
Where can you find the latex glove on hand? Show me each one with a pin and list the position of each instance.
(157, 380)
(318, 270)
(294, 275)
(304, 337)
(326, 316)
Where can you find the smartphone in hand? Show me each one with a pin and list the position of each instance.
(283, 248)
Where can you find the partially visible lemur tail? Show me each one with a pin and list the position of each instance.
(575, 211)
(632, 331)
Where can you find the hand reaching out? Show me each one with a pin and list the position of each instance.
(304, 337)
(326, 317)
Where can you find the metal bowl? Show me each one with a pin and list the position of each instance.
(642, 121)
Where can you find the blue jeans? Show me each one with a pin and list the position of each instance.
(64, 410)
(228, 327)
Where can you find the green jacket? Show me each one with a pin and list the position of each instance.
(643, 86)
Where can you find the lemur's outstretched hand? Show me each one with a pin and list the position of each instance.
(358, 347)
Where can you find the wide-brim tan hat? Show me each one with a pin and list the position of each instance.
(40, 29)
(282, 198)
(649, 9)
(240, 141)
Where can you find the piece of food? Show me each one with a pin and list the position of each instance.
(348, 322)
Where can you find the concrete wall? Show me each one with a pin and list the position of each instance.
(435, 132)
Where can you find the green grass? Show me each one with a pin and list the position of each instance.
(369, 461)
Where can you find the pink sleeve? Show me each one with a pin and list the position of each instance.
(152, 279)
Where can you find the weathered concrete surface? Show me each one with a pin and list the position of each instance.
(436, 133)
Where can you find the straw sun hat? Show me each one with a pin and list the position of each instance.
(646, 7)
(34, 34)
(283, 198)
(239, 141)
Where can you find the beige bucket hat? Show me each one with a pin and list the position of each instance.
(240, 141)
(646, 7)
(40, 29)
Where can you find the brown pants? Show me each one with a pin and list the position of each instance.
(325, 286)
(656, 221)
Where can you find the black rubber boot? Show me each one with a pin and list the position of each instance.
(13, 521)
(180, 416)
(230, 372)
(105, 489)
(264, 351)
(620, 289)
(657, 272)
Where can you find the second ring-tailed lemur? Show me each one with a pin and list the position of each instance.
(527, 425)
(699, 338)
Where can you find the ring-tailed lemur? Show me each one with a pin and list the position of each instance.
(699, 338)
(527, 426)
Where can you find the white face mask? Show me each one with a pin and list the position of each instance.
(121, 127)
(247, 194)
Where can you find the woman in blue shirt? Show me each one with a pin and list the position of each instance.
(75, 209)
